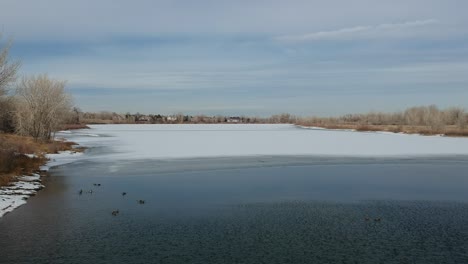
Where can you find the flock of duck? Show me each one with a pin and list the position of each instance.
(378, 219)
(115, 212)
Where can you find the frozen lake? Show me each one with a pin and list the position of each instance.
(246, 194)
(189, 141)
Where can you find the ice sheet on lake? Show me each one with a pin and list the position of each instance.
(193, 141)
(61, 158)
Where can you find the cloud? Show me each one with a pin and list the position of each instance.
(357, 32)
(90, 20)
(179, 55)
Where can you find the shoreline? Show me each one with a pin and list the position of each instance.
(23, 186)
(392, 129)
(408, 130)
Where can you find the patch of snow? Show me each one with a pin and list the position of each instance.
(15, 195)
(10, 202)
(34, 177)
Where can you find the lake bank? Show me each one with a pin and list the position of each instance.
(23, 162)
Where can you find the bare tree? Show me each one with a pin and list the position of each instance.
(76, 115)
(42, 107)
(8, 72)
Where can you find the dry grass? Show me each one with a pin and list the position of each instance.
(456, 133)
(13, 162)
(74, 126)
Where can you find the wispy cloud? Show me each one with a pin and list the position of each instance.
(358, 31)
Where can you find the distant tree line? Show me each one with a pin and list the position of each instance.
(421, 119)
(106, 117)
(35, 106)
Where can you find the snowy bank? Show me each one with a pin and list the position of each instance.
(16, 194)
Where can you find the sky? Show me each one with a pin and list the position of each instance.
(245, 57)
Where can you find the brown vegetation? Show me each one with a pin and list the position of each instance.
(14, 162)
(424, 120)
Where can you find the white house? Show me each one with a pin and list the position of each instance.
(171, 118)
(234, 119)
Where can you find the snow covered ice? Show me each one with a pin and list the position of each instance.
(193, 141)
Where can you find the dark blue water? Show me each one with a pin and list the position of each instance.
(246, 210)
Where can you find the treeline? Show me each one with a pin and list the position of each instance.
(426, 120)
(105, 117)
(422, 119)
(35, 106)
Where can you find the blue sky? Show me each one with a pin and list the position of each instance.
(246, 57)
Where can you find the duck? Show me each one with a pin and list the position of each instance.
(141, 201)
(80, 192)
(377, 219)
(124, 193)
(115, 212)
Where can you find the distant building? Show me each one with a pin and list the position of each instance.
(234, 119)
(143, 118)
(171, 118)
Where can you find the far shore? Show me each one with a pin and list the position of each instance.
(423, 120)
(450, 131)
